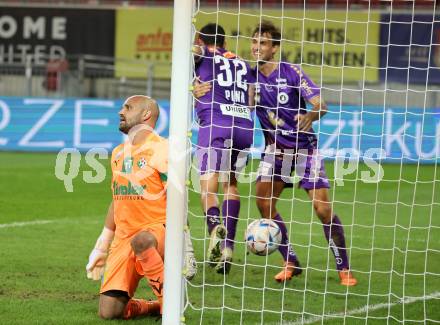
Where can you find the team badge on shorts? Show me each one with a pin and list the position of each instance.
(142, 162)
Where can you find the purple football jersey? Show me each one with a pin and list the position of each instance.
(280, 97)
(227, 104)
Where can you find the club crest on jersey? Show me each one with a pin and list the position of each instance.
(141, 162)
(283, 98)
(127, 165)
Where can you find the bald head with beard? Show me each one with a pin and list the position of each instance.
(138, 110)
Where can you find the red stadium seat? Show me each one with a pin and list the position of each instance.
(53, 73)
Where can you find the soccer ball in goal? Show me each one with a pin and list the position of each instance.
(263, 237)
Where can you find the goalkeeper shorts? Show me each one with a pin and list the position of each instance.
(122, 271)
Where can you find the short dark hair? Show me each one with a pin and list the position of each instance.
(269, 28)
(212, 34)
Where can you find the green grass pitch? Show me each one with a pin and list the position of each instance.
(42, 276)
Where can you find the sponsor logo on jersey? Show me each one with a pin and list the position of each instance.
(236, 111)
(269, 88)
(282, 82)
(128, 189)
(288, 132)
(305, 85)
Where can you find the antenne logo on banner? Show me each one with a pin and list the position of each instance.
(137, 40)
(43, 124)
(329, 47)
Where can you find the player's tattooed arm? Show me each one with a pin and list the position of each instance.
(305, 120)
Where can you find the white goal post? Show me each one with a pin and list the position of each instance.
(176, 197)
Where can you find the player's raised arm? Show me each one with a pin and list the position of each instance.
(98, 256)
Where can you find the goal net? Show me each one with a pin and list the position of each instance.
(376, 66)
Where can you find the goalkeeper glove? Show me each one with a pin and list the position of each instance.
(190, 266)
(98, 256)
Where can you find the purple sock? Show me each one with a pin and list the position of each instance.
(285, 248)
(231, 211)
(337, 242)
(212, 218)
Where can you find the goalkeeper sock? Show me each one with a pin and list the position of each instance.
(152, 265)
(337, 242)
(212, 218)
(138, 307)
(285, 248)
(231, 211)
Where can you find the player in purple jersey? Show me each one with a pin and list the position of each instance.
(282, 92)
(225, 136)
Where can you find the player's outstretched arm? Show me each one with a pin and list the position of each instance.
(98, 256)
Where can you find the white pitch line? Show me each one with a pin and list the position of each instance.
(44, 222)
(364, 309)
(25, 223)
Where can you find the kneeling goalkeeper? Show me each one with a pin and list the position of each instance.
(135, 225)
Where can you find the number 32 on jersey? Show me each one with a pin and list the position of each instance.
(226, 79)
